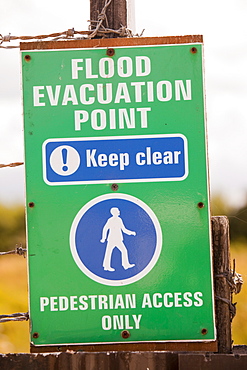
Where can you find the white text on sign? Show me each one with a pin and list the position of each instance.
(93, 159)
(98, 94)
(122, 302)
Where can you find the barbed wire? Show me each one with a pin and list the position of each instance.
(18, 250)
(20, 316)
(53, 36)
(16, 164)
(234, 279)
(96, 28)
(101, 18)
(99, 31)
(232, 306)
(235, 282)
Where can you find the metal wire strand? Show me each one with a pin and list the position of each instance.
(18, 250)
(101, 18)
(234, 279)
(14, 317)
(16, 164)
(232, 306)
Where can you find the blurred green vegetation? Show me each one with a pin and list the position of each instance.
(12, 227)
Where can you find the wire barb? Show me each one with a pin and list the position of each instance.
(18, 250)
(101, 18)
(234, 279)
(70, 32)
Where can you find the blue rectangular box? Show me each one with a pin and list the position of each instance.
(122, 159)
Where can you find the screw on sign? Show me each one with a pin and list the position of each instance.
(114, 187)
(110, 52)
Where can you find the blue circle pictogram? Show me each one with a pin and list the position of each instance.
(115, 239)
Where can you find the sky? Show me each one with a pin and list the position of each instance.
(223, 26)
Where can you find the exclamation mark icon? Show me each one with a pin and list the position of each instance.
(65, 158)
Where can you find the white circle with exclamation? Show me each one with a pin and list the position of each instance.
(65, 160)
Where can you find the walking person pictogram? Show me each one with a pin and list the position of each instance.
(115, 239)
(113, 232)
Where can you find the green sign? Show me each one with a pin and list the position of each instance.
(117, 195)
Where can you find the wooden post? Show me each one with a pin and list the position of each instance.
(221, 263)
(116, 14)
